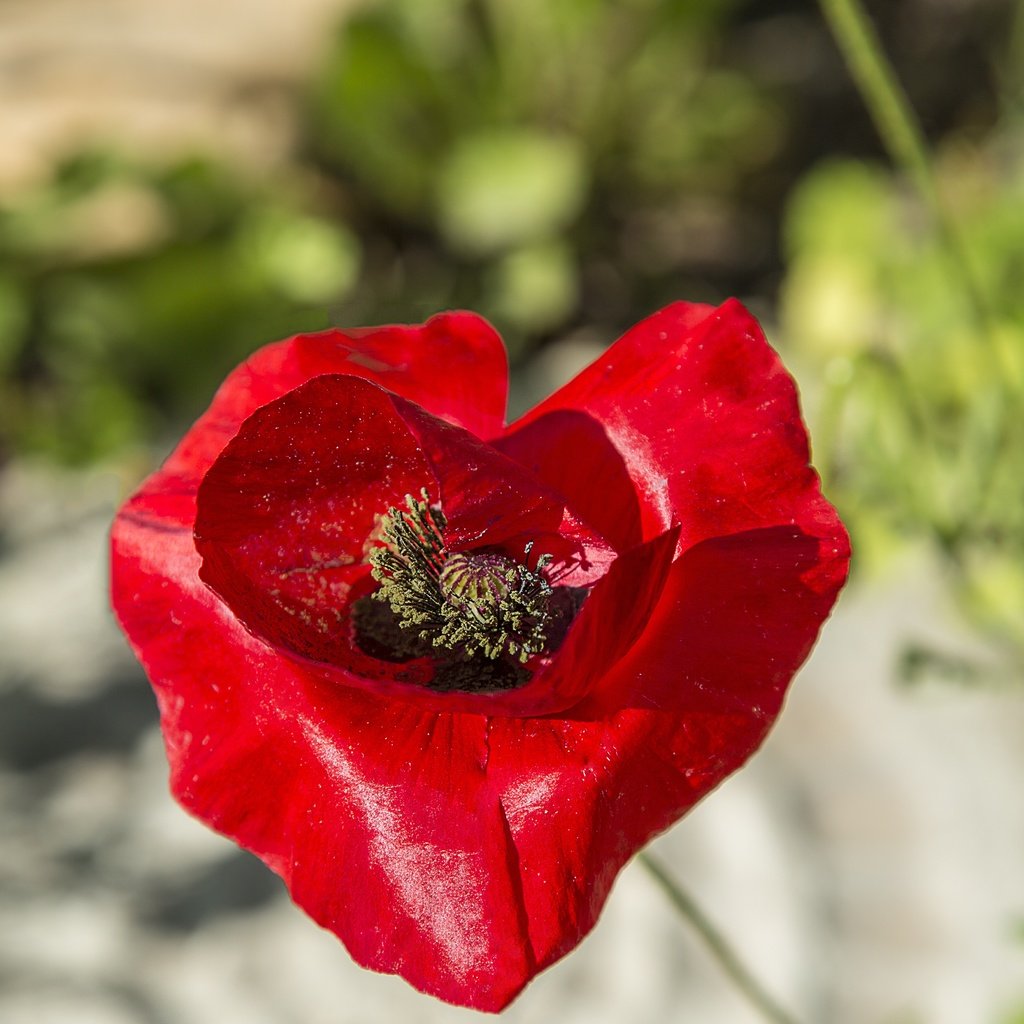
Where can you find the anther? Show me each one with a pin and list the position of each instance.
(485, 604)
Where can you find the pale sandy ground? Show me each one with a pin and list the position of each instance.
(867, 863)
(154, 76)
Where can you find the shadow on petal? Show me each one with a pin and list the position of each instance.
(572, 452)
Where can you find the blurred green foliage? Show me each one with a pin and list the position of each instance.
(919, 416)
(520, 143)
(484, 118)
(126, 291)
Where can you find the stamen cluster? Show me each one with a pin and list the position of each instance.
(478, 604)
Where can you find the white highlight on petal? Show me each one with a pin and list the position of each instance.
(436, 886)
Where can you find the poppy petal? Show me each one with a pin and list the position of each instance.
(454, 366)
(598, 488)
(378, 815)
(689, 704)
(705, 418)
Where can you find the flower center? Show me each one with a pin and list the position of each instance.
(482, 616)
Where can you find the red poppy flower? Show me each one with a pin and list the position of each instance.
(446, 676)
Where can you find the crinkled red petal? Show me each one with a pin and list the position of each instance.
(689, 703)
(698, 410)
(286, 511)
(378, 815)
(454, 366)
(574, 449)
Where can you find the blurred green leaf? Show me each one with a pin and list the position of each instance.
(382, 110)
(921, 435)
(535, 287)
(127, 292)
(307, 259)
(501, 189)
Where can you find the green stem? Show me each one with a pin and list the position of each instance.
(986, 433)
(716, 944)
(901, 133)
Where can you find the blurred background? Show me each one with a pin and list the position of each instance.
(181, 182)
